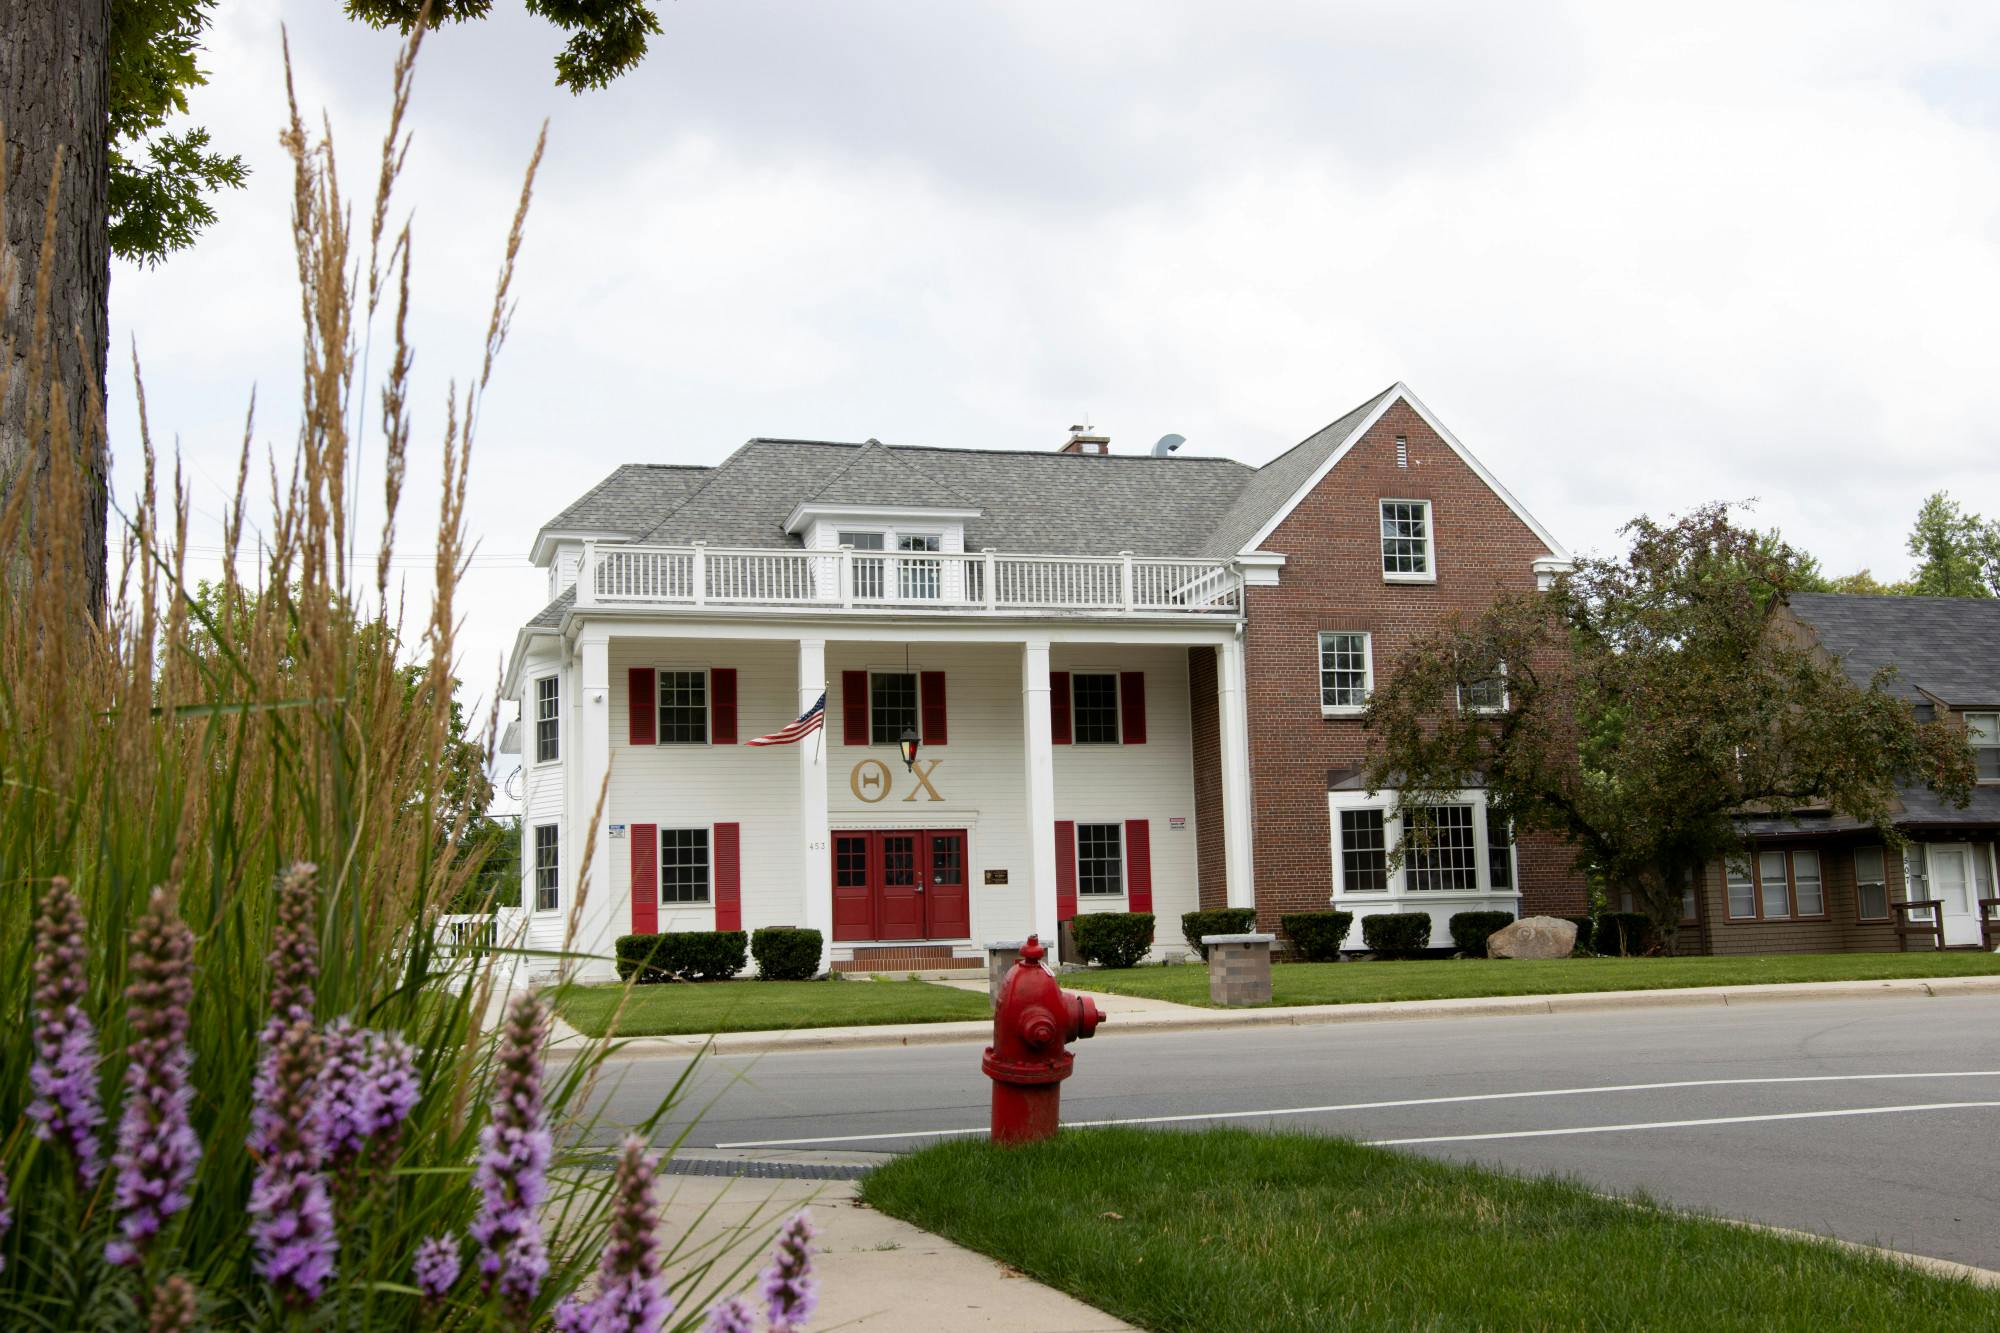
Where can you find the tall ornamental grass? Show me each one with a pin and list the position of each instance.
(262, 1096)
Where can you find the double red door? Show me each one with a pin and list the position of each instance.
(900, 884)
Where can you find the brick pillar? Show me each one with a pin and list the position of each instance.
(1239, 969)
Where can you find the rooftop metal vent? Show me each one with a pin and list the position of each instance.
(1166, 444)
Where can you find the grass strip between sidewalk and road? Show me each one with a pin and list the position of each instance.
(1231, 1230)
(697, 1009)
(1463, 978)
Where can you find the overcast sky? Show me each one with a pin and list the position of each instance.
(1637, 257)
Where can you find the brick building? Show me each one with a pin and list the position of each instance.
(1131, 682)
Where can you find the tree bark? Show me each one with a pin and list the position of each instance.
(54, 71)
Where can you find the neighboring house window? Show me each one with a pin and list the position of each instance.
(548, 872)
(1406, 539)
(917, 580)
(1100, 861)
(1093, 708)
(683, 708)
(892, 706)
(1690, 905)
(1499, 852)
(1984, 729)
(1786, 886)
(684, 865)
(1488, 695)
(867, 569)
(1871, 884)
(1441, 854)
(548, 719)
(1345, 672)
(1364, 852)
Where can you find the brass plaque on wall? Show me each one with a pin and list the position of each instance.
(996, 877)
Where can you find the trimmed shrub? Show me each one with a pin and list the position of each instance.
(786, 953)
(1396, 934)
(1623, 934)
(1217, 921)
(1584, 931)
(681, 955)
(1470, 929)
(1113, 939)
(1315, 936)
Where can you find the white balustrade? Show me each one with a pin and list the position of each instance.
(990, 582)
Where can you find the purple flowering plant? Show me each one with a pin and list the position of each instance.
(63, 1075)
(157, 1147)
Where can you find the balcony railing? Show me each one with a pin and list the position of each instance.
(905, 581)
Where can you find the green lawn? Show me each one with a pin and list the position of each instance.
(754, 1006)
(1229, 1230)
(1453, 978)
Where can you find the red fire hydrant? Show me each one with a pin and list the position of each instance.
(1034, 1020)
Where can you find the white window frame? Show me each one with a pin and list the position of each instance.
(1881, 880)
(1485, 710)
(707, 899)
(1124, 863)
(1117, 706)
(1991, 727)
(1429, 573)
(707, 705)
(536, 719)
(1367, 672)
(535, 868)
(1400, 896)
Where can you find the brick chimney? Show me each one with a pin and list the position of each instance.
(1081, 441)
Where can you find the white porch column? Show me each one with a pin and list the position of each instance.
(814, 842)
(603, 899)
(1233, 708)
(1041, 765)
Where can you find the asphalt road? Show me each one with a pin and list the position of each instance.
(1876, 1120)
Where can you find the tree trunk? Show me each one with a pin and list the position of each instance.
(54, 68)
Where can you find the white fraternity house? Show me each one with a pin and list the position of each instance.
(1005, 644)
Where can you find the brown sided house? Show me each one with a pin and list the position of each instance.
(1815, 882)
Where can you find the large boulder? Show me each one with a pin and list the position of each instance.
(1533, 937)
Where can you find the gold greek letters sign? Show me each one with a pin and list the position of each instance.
(871, 782)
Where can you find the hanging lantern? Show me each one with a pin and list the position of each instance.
(908, 745)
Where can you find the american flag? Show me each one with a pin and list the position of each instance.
(808, 722)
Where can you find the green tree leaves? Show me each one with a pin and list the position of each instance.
(1958, 553)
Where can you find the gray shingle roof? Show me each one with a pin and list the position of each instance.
(630, 500)
(551, 616)
(1278, 480)
(878, 476)
(1946, 646)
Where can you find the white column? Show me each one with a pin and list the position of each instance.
(813, 838)
(1041, 765)
(604, 898)
(1233, 707)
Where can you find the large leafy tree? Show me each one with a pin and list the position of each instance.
(1651, 700)
(91, 166)
(1958, 553)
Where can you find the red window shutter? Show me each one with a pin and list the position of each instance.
(1138, 865)
(642, 706)
(722, 705)
(1059, 708)
(1132, 706)
(645, 879)
(854, 708)
(728, 876)
(930, 696)
(1065, 869)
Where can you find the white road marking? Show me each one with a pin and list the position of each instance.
(1391, 1105)
(1678, 1124)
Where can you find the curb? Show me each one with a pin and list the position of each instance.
(1321, 1015)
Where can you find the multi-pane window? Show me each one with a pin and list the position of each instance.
(1364, 852)
(1488, 694)
(917, 579)
(1871, 884)
(1406, 539)
(1983, 730)
(1344, 670)
(1094, 709)
(548, 719)
(547, 868)
(684, 865)
(867, 568)
(1777, 886)
(1100, 861)
(1499, 852)
(683, 708)
(1441, 851)
(892, 706)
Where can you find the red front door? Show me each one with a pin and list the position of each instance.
(900, 884)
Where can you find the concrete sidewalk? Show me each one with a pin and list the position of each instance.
(875, 1273)
(1132, 1015)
